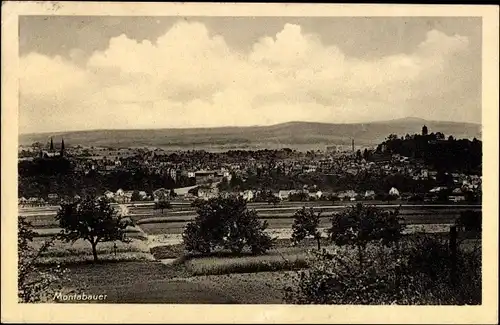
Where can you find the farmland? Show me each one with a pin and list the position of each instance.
(141, 271)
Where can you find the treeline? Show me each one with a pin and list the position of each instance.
(437, 151)
(41, 177)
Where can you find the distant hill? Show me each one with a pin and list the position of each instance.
(295, 135)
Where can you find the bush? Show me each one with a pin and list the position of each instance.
(225, 223)
(470, 220)
(417, 272)
(35, 284)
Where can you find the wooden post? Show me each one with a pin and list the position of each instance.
(453, 253)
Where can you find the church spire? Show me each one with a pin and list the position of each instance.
(62, 147)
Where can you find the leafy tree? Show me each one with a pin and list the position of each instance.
(162, 205)
(390, 197)
(226, 223)
(135, 196)
(358, 154)
(440, 136)
(34, 284)
(298, 196)
(93, 220)
(306, 224)
(266, 196)
(360, 224)
(273, 199)
(366, 154)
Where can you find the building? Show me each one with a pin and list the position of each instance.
(369, 195)
(109, 195)
(347, 195)
(284, 194)
(205, 176)
(51, 150)
(394, 192)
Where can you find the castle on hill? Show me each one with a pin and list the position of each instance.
(51, 150)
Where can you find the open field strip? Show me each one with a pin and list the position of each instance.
(163, 239)
(272, 261)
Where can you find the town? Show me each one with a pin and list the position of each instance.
(54, 172)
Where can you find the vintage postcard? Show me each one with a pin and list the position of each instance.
(257, 163)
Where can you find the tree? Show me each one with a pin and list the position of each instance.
(470, 220)
(306, 224)
(358, 154)
(226, 223)
(162, 204)
(366, 154)
(34, 284)
(135, 196)
(360, 224)
(425, 131)
(273, 199)
(440, 136)
(298, 196)
(93, 220)
(390, 197)
(172, 193)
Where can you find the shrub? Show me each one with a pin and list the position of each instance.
(417, 273)
(226, 223)
(35, 284)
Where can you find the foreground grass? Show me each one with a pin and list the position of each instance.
(80, 252)
(274, 261)
(249, 288)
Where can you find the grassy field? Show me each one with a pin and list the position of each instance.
(276, 260)
(80, 251)
(153, 282)
(143, 282)
(249, 288)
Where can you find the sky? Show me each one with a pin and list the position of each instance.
(105, 72)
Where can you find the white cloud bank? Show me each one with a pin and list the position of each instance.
(190, 78)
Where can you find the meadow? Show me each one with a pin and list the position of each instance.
(143, 274)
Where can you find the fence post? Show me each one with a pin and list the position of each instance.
(453, 253)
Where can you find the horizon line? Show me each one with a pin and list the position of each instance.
(249, 126)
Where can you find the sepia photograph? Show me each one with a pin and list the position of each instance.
(227, 159)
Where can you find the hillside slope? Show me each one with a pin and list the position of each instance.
(299, 135)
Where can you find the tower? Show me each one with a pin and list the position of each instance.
(51, 145)
(424, 130)
(62, 148)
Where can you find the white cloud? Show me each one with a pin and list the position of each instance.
(188, 77)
